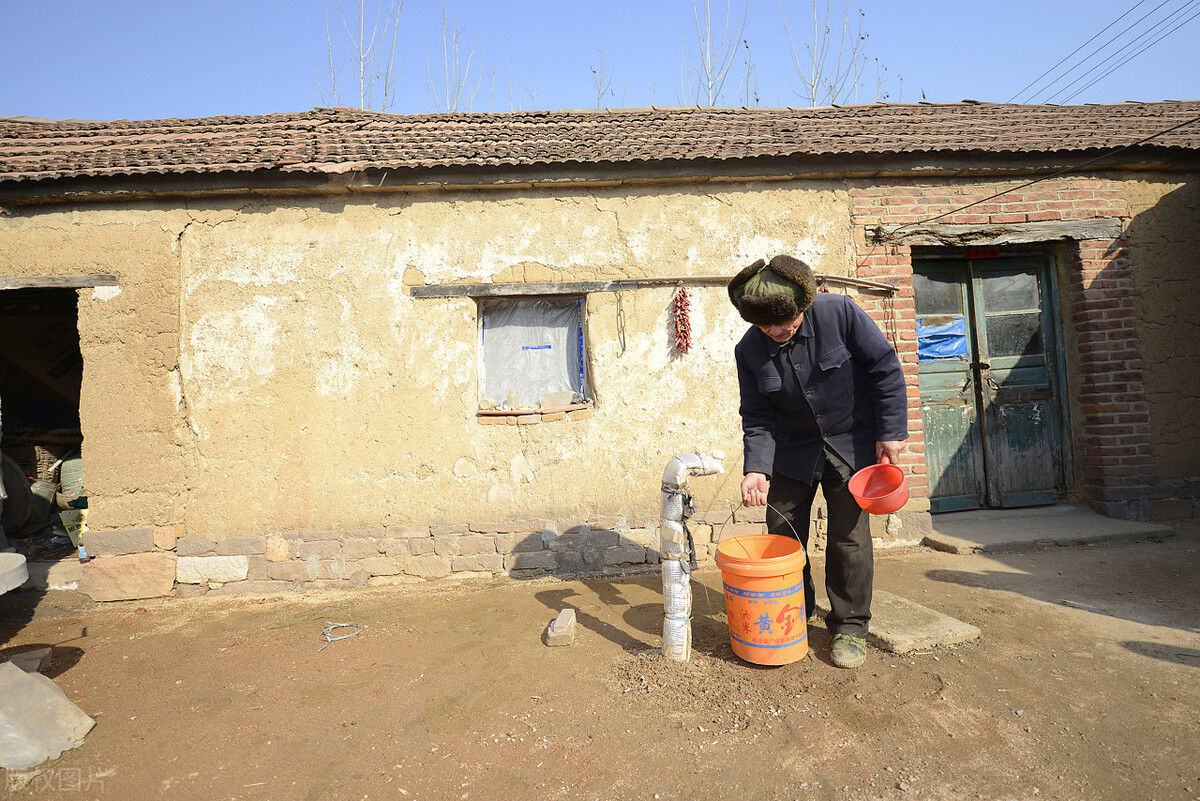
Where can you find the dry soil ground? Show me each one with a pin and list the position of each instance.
(1084, 685)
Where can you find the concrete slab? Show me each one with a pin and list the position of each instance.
(899, 625)
(61, 575)
(30, 661)
(1008, 530)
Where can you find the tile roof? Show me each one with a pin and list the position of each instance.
(344, 140)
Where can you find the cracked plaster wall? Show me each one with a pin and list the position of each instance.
(262, 367)
(1164, 235)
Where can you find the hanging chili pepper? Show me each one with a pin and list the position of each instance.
(683, 323)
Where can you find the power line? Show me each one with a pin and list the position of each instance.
(1098, 50)
(1063, 171)
(1076, 50)
(1153, 30)
(1131, 56)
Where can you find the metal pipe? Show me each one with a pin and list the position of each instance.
(673, 549)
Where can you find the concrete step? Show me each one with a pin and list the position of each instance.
(1008, 530)
(900, 626)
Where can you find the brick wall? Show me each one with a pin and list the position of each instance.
(1112, 425)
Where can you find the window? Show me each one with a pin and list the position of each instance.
(531, 352)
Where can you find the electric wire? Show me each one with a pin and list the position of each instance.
(1055, 174)
(1097, 50)
(1131, 57)
(1152, 30)
(1034, 82)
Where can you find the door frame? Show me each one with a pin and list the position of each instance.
(1053, 314)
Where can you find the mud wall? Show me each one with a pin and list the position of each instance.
(1164, 237)
(262, 367)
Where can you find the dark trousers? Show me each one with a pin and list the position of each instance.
(849, 561)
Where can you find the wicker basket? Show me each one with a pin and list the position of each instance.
(26, 457)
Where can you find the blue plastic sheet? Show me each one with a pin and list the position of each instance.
(945, 341)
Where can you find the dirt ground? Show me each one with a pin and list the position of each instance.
(1085, 684)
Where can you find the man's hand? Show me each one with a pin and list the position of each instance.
(892, 448)
(754, 489)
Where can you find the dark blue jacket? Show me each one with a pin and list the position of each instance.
(837, 382)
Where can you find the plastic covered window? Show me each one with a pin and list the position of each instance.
(532, 348)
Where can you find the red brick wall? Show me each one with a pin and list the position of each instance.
(1113, 462)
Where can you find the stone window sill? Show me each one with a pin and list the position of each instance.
(575, 411)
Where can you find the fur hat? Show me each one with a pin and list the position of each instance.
(775, 293)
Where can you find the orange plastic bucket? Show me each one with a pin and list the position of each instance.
(763, 576)
(880, 489)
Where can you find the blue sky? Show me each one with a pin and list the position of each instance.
(138, 59)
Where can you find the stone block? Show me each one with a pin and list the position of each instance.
(472, 544)
(448, 529)
(378, 566)
(37, 720)
(535, 560)
(125, 578)
(258, 568)
(194, 546)
(603, 538)
(242, 546)
(447, 545)
(407, 532)
(579, 414)
(428, 566)
(165, 537)
(64, 574)
(750, 514)
(120, 542)
(205, 569)
(519, 543)
(190, 591)
(572, 540)
(319, 536)
(288, 571)
(360, 548)
(561, 630)
(395, 547)
(365, 534)
(278, 549)
(553, 417)
(335, 568)
(323, 549)
(625, 555)
(490, 562)
(421, 547)
(528, 419)
(1161, 510)
(701, 532)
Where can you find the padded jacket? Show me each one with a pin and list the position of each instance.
(836, 383)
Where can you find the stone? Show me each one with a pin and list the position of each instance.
(899, 625)
(378, 566)
(360, 548)
(125, 578)
(319, 536)
(579, 414)
(476, 544)
(539, 560)
(37, 720)
(190, 591)
(395, 547)
(516, 543)
(194, 546)
(561, 630)
(491, 562)
(165, 537)
(258, 568)
(335, 568)
(428, 566)
(420, 547)
(288, 571)
(324, 549)
(251, 588)
(119, 543)
(625, 555)
(447, 545)
(278, 549)
(603, 538)
(206, 569)
(445, 529)
(750, 514)
(235, 546)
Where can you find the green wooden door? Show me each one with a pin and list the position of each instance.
(987, 355)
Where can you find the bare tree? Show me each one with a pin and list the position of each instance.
(704, 81)
(457, 92)
(832, 71)
(601, 81)
(370, 47)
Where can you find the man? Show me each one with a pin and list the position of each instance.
(822, 395)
